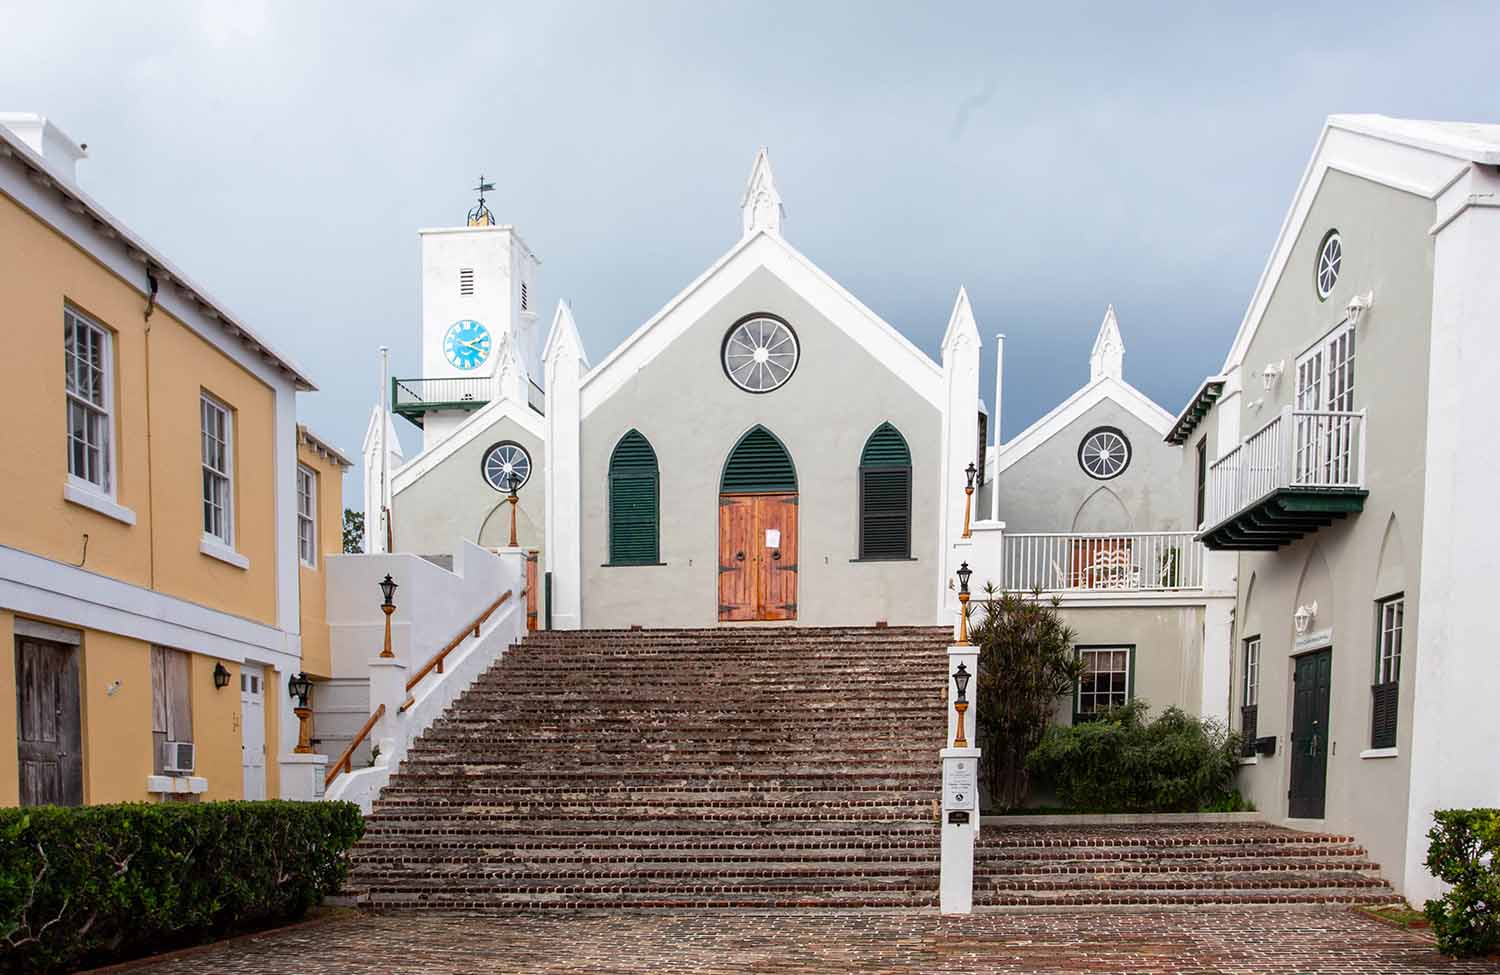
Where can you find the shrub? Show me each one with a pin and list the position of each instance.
(1026, 662)
(101, 883)
(1121, 763)
(1464, 851)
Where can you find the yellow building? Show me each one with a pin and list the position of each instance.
(157, 572)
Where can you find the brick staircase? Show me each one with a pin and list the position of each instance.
(1025, 865)
(760, 768)
(736, 767)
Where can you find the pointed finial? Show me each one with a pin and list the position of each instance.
(760, 207)
(961, 325)
(480, 215)
(1108, 355)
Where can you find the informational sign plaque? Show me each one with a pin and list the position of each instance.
(959, 781)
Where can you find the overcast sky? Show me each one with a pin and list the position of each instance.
(1053, 159)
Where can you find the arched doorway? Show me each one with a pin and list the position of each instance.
(758, 531)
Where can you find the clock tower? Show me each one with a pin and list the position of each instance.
(479, 320)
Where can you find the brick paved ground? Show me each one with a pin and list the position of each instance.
(1241, 941)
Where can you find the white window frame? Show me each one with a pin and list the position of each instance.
(103, 409)
(307, 516)
(1390, 638)
(1083, 652)
(1250, 693)
(209, 406)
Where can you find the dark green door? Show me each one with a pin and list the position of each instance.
(1312, 682)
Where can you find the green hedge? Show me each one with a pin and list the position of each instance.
(101, 883)
(1119, 762)
(1464, 850)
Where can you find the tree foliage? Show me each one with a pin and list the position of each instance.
(1464, 851)
(1026, 663)
(354, 531)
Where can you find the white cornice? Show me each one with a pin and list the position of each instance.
(1104, 389)
(522, 415)
(771, 252)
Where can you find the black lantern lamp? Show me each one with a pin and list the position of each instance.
(299, 687)
(961, 703)
(221, 675)
(388, 589)
(970, 473)
(963, 603)
(513, 481)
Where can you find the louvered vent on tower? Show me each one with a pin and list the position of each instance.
(466, 280)
(525, 298)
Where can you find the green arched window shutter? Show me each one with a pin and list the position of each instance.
(634, 503)
(759, 464)
(885, 496)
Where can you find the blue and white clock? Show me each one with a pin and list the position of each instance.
(467, 344)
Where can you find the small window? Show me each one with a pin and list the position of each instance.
(307, 518)
(1390, 616)
(506, 464)
(1105, 683)
(466, 280)
(525, 297)
(171, 700)
(218, 474)
(760, 353)
(90, 392)
(1330, 262)
(885, 496)
(1250, 695)
(634, 498)
(1104, 453)
(1200, 507)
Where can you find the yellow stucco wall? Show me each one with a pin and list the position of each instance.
(217, 735)
(10, 783)
(329, 498)
(40, 273)
(117, 744)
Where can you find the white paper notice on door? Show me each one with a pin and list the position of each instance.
(773, 538)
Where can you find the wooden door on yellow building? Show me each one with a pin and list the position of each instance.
(49, 731)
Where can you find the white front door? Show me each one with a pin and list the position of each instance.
(253, 725)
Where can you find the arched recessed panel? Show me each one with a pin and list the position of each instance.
(1102, 511)
(759, 464)
(634, 502)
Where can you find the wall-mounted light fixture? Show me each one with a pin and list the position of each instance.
(1271, 373)
(221, 675)
(1358, 305)
(1304, 616)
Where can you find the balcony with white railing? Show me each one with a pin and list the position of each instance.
(413, 398)
(1296, 474)
(1101, 562)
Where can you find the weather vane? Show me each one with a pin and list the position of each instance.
(480, 215)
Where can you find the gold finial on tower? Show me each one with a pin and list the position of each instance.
(480, 215)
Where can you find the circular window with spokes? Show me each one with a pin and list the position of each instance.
(1104, 453)
(1330, 262)
(760, 353)
(504, 463)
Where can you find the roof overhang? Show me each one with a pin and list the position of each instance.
(165, 272)
(322, 447)
(1197, 408)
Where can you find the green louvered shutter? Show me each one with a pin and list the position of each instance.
(759, 464)
(634, 497)
(885, 496)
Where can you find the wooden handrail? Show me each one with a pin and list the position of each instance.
(343, 764)
(463, 634)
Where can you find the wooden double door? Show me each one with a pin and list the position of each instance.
(757, 557)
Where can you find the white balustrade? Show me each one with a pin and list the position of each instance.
(1301, 449)
(1101, 561)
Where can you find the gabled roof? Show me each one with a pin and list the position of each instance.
(474, 424)
(322, 447)
(1104, 389)
(1196, 409)
(769, 250)
(166, 272)
(1412, 156)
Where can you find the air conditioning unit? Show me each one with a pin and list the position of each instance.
(177, 757)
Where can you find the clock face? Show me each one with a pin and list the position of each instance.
(467, 344)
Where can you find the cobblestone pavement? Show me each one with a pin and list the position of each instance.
(1249, 941)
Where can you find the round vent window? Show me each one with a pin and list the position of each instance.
(1104, 453)
(506, 462)
(1330, 260)
(760, 353)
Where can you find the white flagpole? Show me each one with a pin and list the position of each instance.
(383, 516)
